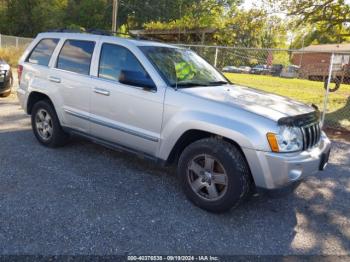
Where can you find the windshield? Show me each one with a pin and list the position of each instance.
(182, 67)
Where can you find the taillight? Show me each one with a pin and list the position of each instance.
(19, 71)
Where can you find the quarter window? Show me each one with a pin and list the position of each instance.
(42, 53)
(115, 59)
(75, 56)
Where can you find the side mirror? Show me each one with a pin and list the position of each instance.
(135, 78)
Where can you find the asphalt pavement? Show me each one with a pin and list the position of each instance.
(86, 199)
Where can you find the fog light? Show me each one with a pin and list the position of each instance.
(294, 174)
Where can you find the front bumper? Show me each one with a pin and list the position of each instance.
(277, 170)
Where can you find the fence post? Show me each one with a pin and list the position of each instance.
(327, 90)
(216, 56)
(16, 42)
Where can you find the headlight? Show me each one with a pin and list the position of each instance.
(288, 139)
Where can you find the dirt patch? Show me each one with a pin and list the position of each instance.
(338, 134)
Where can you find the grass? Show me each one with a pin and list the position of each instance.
(11, 55)
(338, 109)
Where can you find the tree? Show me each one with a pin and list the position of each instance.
(327, 21)
(89, 14)
(253, 28)
(332, 12)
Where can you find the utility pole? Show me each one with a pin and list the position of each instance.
(114, 16)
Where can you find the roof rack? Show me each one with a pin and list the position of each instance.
(99, 32)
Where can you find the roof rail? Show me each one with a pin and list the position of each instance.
(64, 30)
(97, 31)
(94, 31)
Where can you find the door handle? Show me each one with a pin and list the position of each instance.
(102, 91)
(54, 79)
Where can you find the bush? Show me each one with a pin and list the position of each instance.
(11, 55)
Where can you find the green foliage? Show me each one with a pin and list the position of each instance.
(253, 28)
(318, 34)
(88, 13)
(316, 21)
(29, 17)
(200, 14)
(281, 58)
(310, 92)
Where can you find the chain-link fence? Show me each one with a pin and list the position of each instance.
(14, 41)
(299, 74)
(303, 75)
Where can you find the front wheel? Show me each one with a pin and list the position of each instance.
(214, 174)
(46, 125)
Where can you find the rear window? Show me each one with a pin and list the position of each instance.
(75, 56)
(42, 53)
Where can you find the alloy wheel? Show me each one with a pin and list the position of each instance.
(207, 177)
(43, 124)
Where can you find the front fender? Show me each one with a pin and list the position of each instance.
(247, 134)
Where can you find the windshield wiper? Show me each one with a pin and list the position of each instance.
(189, 84)
(215, 83)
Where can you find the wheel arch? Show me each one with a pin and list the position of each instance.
(35, 97)
(192, 135)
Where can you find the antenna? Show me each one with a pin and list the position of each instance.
(176, 82)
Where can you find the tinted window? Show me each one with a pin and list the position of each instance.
(116, 58)
(41, 54)
(75, 56)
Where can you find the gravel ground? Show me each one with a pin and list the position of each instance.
(85, 199)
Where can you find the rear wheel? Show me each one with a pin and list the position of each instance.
(46, 125)
(334, 85)
(214, 174)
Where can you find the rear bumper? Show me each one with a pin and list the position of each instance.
(278, 170)
(22, 98)
(5, 90)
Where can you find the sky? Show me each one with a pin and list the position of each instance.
(248, 4)
(251, 3)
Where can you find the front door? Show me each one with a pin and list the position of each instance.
(126, 114)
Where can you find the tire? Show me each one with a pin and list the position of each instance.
(228, 159)
(56, 137)
(6, 94)
(336, 81)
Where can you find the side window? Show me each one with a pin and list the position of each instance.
(42, 53)
(75, 56)
(114, 59)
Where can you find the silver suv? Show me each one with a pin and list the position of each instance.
(168, 104)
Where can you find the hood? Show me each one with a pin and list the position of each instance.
(259, 102)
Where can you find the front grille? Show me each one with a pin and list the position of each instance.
(311, 135)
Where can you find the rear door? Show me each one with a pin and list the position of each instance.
(71, 75)
(36, 67)
(126, 114)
